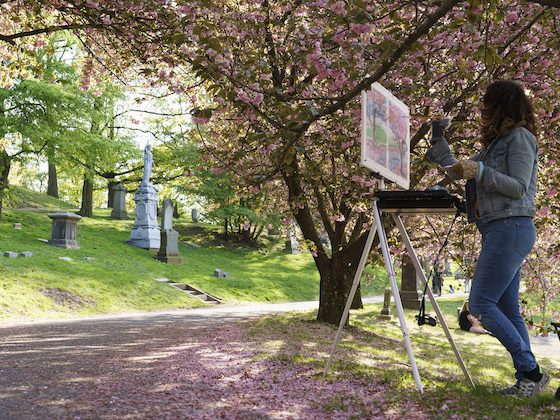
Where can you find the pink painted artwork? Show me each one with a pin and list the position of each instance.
(386, 135)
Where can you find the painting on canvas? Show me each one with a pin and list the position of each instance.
(386, 135)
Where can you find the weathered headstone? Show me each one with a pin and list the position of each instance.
(220, 274)
(11, 254)
(292, 246)
(65, 258)
(119, 202)
(195, 216)
(64, 229)
(17, 226)
(169, 243)
(386, 311)
(26, 254)
(447, 269)
(410, 296)
(145, 231)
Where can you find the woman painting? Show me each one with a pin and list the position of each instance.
(501, 187)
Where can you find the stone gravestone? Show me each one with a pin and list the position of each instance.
(195, 216)
(145, 231)
(169, 243)
(386, 311)
(119, 202)
(292, 246)
(410, 296)
(64, 229)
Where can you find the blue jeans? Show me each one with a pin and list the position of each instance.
(494, 296)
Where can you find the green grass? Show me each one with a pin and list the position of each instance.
(17, 197)
(108, 276)
(373, 350)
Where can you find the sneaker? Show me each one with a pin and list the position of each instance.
(512, 391)
(529, 388)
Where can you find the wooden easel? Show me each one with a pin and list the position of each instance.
(378, 228)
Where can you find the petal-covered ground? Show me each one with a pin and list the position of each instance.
(167, 368)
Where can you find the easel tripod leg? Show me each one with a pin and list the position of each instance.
(357, 276)
(422, 275)
(396, 296)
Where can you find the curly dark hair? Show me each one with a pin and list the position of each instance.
(504, 107)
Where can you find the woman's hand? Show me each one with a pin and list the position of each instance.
(464, 169)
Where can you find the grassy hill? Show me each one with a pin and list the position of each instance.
(108, 276)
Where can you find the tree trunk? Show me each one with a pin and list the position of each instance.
(52, 182)
(110, 193)
(87, 198)
(337, 271)
(5, 163)
(176, 214)
(335, 284)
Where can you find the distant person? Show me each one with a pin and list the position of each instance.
(451, 289)
(500, 191)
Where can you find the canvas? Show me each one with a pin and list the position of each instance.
(386, 135)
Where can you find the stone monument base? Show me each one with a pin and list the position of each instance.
(145, 238)
(411, 299)
(170, 259)
(119, 215)
(65, 243)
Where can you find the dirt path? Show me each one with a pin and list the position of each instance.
(180, 364)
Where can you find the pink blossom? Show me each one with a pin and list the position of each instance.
(200, 120)
(512, 17)
(257, 100)
(338, 218)
(552, 192)
(314, 253)
(242, 96)
(339, 8)
(106, 20)
(544, 212)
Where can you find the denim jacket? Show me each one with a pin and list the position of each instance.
(507, 184)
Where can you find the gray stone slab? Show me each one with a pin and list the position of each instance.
(11, 254)
(163, 279)
(191, 245)
(65, 258)
(26, 254)
(17, 226)
(217, 272)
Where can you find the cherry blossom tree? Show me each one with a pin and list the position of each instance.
(277, 85)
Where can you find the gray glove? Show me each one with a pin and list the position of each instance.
(438, 129)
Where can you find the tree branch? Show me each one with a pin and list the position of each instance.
(551, 3)
(50, 29)
(386, 65)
